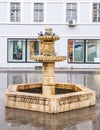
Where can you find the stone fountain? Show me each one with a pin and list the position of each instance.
(49, 96)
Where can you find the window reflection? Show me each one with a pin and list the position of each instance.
(16, 50)
(93, 50)
(22, 78)
(21, 50)
(16, 78)
(88, 79)
(76, 51)
(32, 49)
(84, 51)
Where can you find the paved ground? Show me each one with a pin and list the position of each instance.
(82, 119)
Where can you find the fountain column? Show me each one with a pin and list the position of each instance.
(48, 58)
(48, 67)
(48, 78)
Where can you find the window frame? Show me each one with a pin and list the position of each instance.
(26, 45)
(30, 39)
(97, 13)
(16, 12)
(72, 9)
(85, 58)
(40, 18)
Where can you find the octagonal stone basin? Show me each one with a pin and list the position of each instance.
(74, 97)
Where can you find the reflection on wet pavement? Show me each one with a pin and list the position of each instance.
(82, 119)
(73, 120)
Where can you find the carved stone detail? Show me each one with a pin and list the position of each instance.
(29, 100)
(47, 48)
(75, 99)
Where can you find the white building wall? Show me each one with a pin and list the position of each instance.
(3, 12)
(54, 15)
(54, 18)
(84, 9)
(26, 13)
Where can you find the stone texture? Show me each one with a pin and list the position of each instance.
(48, 78)
(48, 58)
(48, 90)
(47, 48)
(48, 38)
(84, 97)
(48, 101)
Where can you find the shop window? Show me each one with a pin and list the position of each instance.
(75, 51)
(16, 50)
(21, 50)
(86, 51)
(32, 49)
(92, 50)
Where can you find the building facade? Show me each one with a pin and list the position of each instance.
(77, 22)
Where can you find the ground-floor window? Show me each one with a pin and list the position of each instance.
(83, 51)
(32, 49)
(22, 50)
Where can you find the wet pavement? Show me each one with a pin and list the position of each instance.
(81, 119)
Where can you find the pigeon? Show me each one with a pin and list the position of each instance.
(47, 34)
(40, 34)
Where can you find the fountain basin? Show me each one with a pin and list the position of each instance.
(49, 38)
(48, 58)
(79, 98)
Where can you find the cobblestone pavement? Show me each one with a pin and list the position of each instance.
(81, 119)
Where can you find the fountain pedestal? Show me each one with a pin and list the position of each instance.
(49, 100)
(48, 78)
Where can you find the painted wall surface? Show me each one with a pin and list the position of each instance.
(26, 15)
(3, 12)
(84, 13)
(54, 13)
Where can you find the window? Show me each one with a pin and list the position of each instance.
(96, 12)
(86, 51)
(38, 12)
(76, 50)
(32, 48)
(93, 50)
(21, 50)
(71, 11)
(15, 12)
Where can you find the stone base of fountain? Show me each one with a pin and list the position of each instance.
(67, 97)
